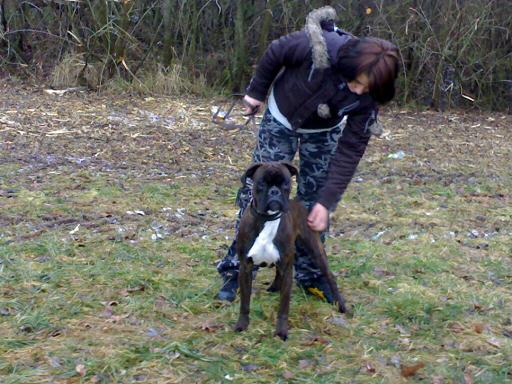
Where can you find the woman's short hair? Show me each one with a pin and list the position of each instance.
(377, 58)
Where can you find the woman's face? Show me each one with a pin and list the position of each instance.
(360, 84)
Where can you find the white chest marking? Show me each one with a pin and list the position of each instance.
(263, 249)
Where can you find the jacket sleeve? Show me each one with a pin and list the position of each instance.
(288, 51)
(351, 147)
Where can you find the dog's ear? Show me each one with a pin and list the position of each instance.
(292, 168)
(249, 173)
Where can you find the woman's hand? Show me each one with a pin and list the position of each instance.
(252, 105)
(318, 218)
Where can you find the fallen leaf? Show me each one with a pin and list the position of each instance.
(478, 327)
(107, 312)
(408, 371)
(249, 367)
(395, 361)
(288, 375)
(369, 367)
(211, 327)
(402, 330)
(55, 333)
(456, 327)
(26, 329)
(80, 369)
(303, 364)
(377, 271)
(468, 375)
(437, 380)
(339, 320)
(86, 325)
(75, 230)
(117, 318)
(494, 342)
(316, 340)
(152, 332)
(138, 288)
(54, 362)
(126, 291)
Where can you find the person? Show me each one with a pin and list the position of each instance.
(324, 89)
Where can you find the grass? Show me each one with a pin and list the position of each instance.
(164, 317)
(127, 296)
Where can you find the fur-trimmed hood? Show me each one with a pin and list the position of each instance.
(315, 20)
(313, 29)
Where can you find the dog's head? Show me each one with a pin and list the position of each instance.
(271, 185)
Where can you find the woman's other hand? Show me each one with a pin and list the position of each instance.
(318, 218)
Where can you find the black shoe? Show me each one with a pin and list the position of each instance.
(318, 287)
(228, 290)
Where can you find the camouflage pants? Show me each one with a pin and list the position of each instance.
(278, 143)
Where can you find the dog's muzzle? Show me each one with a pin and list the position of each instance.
(274, 199)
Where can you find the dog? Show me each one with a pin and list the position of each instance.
(266, 237)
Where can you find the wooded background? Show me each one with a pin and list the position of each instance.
(455, 52)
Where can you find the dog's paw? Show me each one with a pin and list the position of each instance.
(283, 334)
(347, 310)
(241, 325)
(342, 307)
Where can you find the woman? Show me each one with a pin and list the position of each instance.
(325, 86)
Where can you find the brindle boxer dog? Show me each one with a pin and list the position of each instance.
(267, 233)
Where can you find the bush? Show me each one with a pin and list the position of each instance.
(454, 53)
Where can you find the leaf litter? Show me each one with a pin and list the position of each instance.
(89, 182)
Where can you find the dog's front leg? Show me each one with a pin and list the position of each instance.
(286, 271)
(245, 284)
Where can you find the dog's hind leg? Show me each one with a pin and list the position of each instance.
(331, 279)
(316, 250)
(276, 285)
(245, 284)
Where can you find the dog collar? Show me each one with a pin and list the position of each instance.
(265, 216)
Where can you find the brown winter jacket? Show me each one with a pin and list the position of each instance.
(311, 94)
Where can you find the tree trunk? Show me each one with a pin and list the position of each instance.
(265, 28)
(168, 10)
(13, 24)
(119, 46)
(194, 35)
(240, 55)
